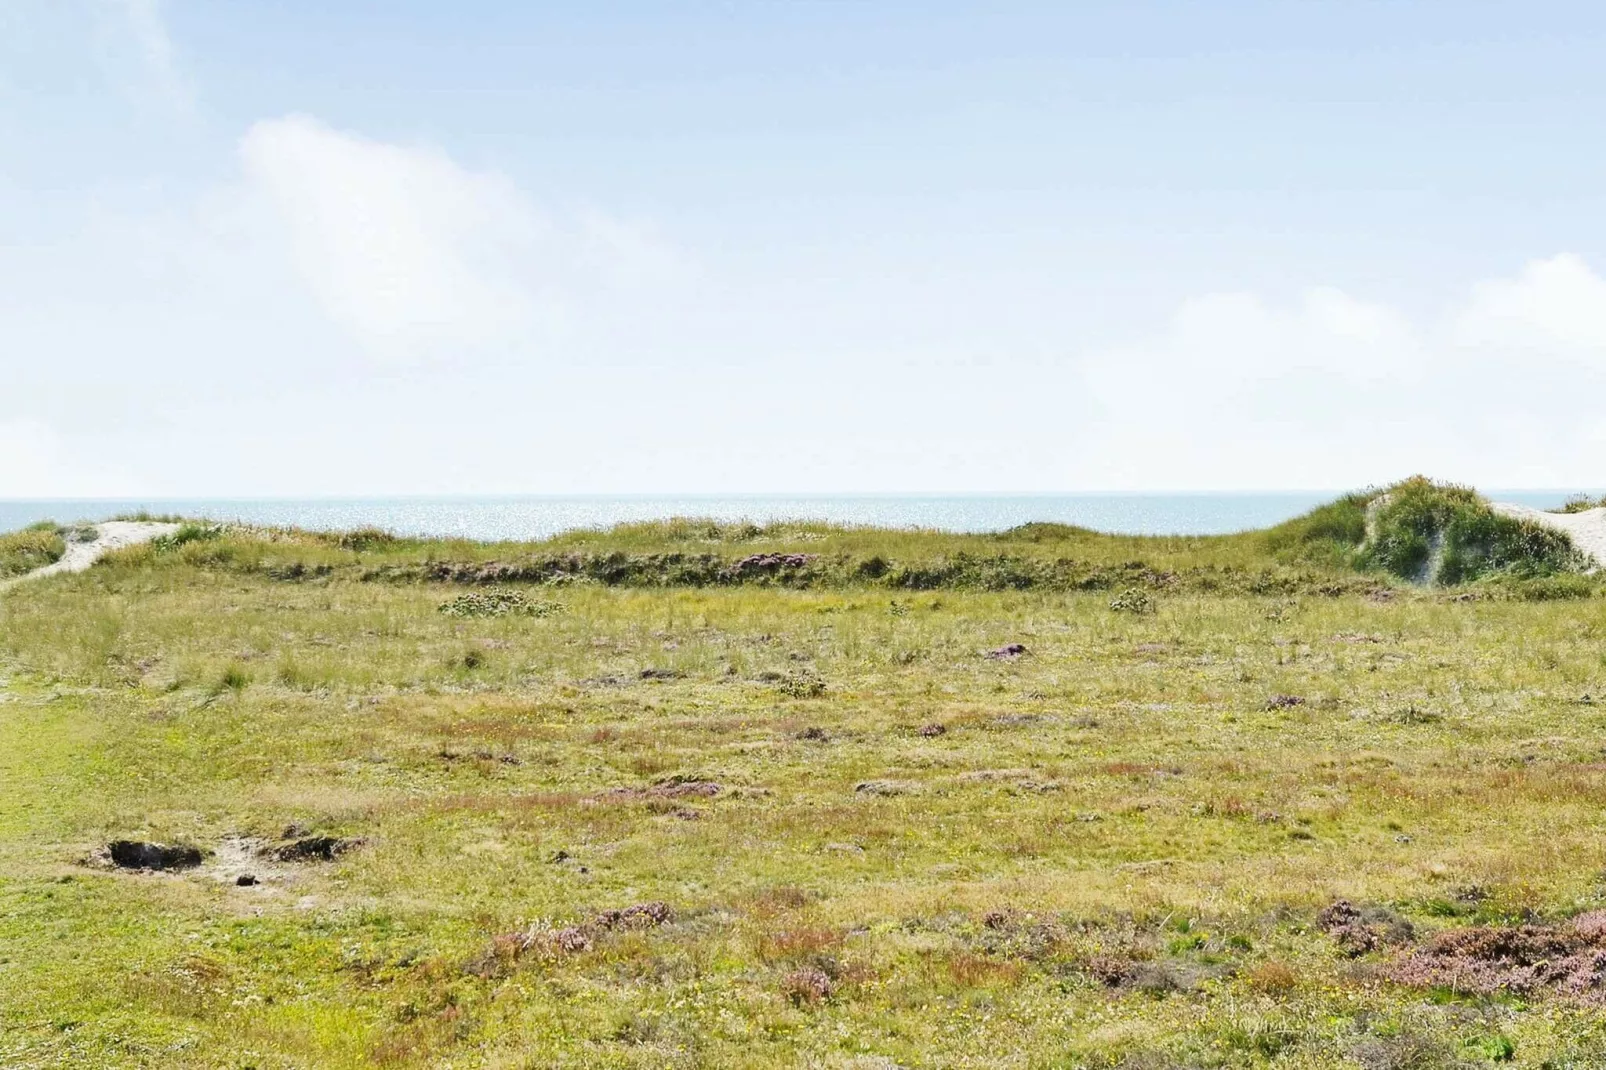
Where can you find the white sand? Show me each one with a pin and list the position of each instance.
(112, 535)
(1588, 528)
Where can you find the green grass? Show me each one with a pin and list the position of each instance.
(1107, 852)
(1443, 534)
(31, 548)
(1579, 503)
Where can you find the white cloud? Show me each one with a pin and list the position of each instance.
(1333, 391)
(1557, 305)
(407, 251)
(416, 256)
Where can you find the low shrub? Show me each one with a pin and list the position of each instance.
(186, 534)
(1133, 600)
(499, 604)
(34, 547)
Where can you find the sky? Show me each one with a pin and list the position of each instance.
(391, 247)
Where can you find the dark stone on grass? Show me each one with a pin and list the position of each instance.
(246, 880)
(315, 849)
(1008, 652)
(135, 854)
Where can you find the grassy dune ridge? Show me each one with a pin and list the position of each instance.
(1343, 547)
(878, 837)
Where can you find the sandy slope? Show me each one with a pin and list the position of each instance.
(1588, 529)
(112, 535)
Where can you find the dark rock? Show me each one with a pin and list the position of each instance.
(246, 880)
(134, 854)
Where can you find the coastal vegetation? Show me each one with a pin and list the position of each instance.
(704, 794)
(31, 548)
(1580, 503)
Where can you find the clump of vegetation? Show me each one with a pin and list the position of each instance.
(499, 604)
(1436, 533)
(1133, 600)
(33, 547)
(1581, 503)
(1329, 533)
(190, 532)
(368, 538)
(800, 685)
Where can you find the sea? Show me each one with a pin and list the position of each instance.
(535, 517)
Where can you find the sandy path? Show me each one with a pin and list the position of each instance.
(112, 535)
(1588, 528)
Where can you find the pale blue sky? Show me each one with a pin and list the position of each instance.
(366, 247)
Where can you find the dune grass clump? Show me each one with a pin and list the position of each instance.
(1426, 533)
(1581, 503)
(189, 532)
(1329, 534)
(32, 547)
(1437, 533)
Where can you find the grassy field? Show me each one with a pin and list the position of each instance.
(857, 827)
